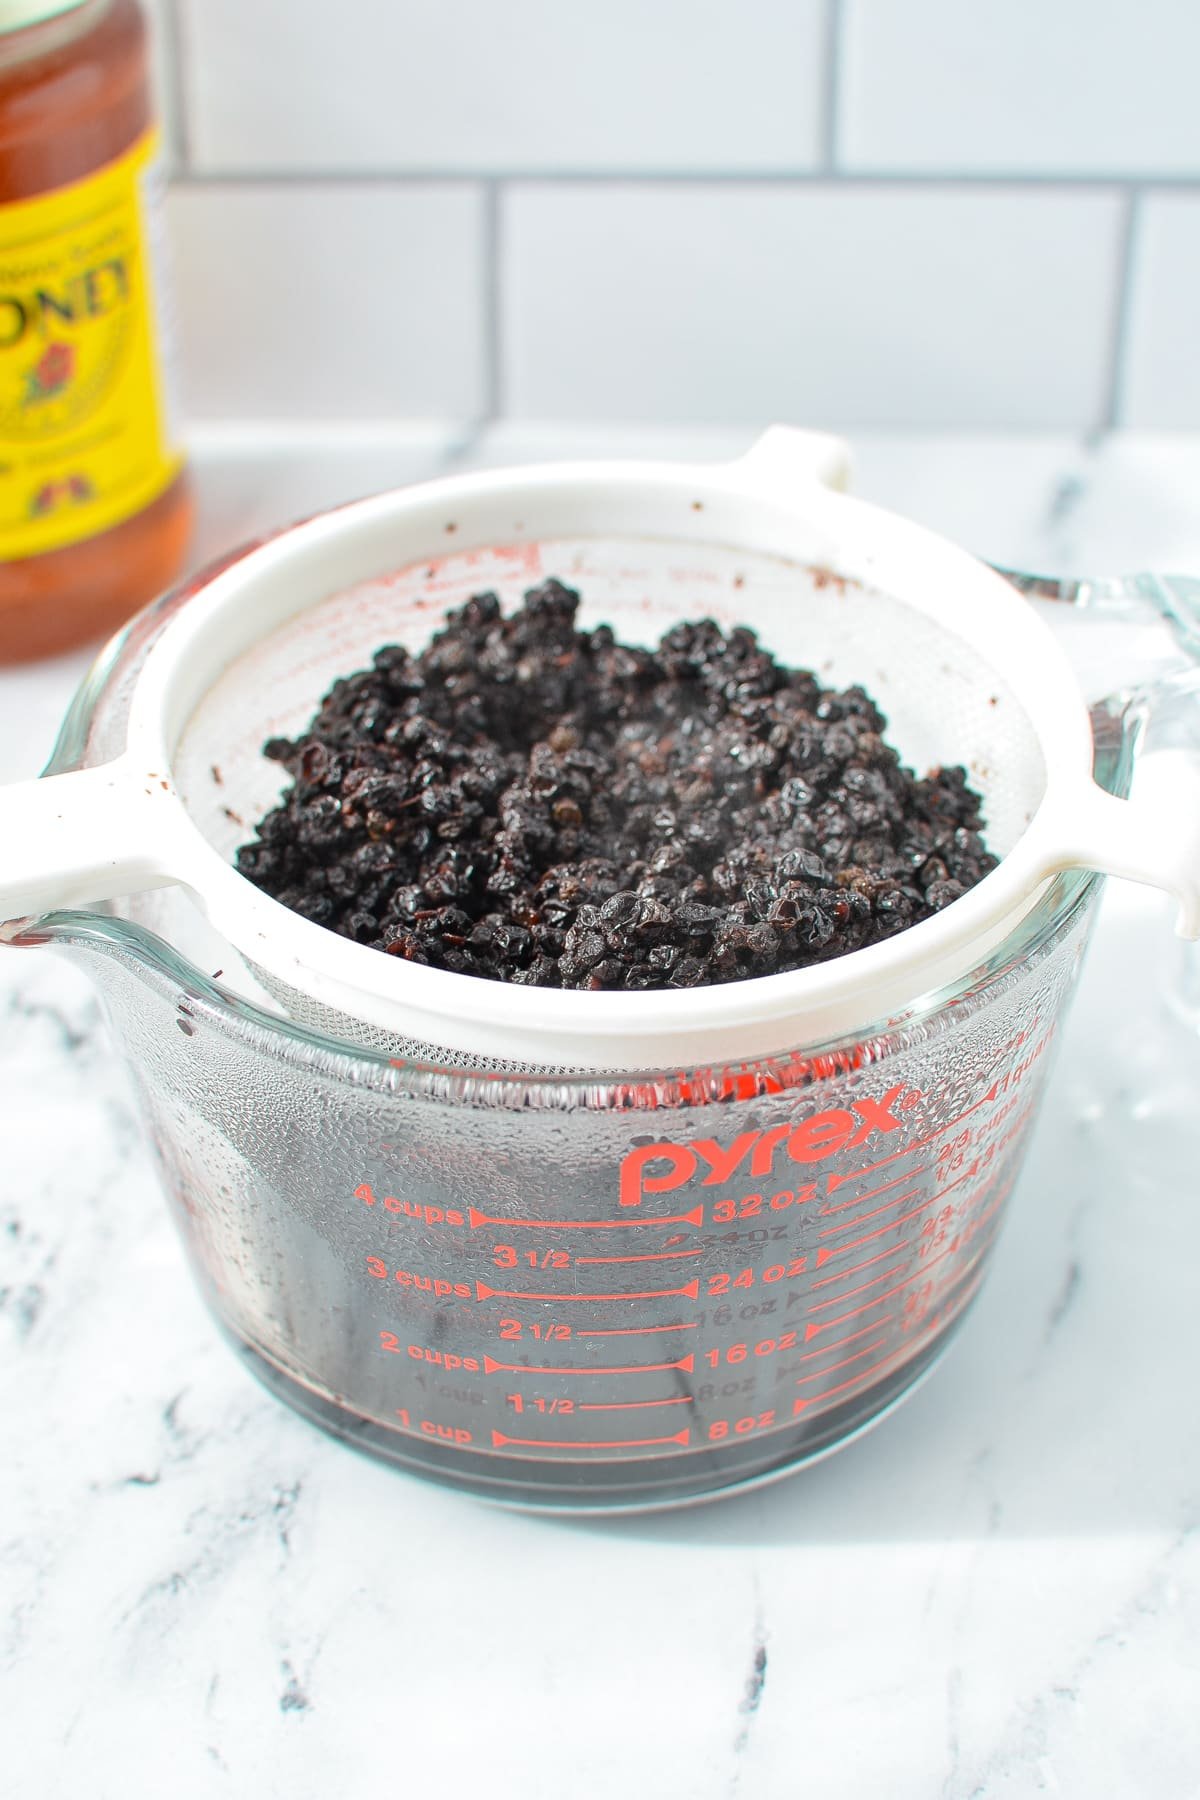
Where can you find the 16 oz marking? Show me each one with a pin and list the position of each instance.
(740, 1353)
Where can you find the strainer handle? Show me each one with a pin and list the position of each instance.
(91, 834)
(1153, 838)
(785, 457)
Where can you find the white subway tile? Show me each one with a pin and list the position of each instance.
(329, 302)
(825, 305)
(1043, 86)
(251, 480)
(528, 85)
(1162, 370)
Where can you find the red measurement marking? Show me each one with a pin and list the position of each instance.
(968, 1176)
(681, 1437)
(820, 1374)
(850, 1338)
(851, 1224)
(657, 1256)
(919, 1143)
(974, 1223)
(955, 1244)
(849, 1294)
(827, 1255)
(632, 1330)
(476, 1219)
(844, 1205)
(894, 1358)
(950, 1250)
(690, 1292)
(491, 1367)
(627, 1405)
(835, 1181)
(918, 1274)
(855, 1268)
(812, 1331)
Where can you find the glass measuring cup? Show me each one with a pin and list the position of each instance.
(608, 1291)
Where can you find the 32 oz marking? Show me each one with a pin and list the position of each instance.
(754, 1206)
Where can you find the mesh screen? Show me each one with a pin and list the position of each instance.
(943, 702)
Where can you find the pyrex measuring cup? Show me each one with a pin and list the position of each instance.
(623, 1288)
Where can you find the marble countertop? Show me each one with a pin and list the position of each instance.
(993, 1596)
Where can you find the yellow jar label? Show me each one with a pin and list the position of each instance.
(86, 437)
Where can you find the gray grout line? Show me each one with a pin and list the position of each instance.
(830, 98)
(181, 136)
(493, 314)
(1118, 359)
(798, 178)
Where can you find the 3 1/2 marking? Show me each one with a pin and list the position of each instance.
(507, 1256)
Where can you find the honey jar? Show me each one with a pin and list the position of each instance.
(95, 509)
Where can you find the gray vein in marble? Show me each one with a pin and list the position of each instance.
(1063, 1300)
(1070, 1285)
(1025, 1750)
(1065, 508)
(294, 1698)
(24, 1305)
(283, 1506)
(755, 1681)
(21, 1556)
(74, 1035)
(976, 1483)
(222, 1536)
(959, 1645)
(1066, 496)
(954, 1709)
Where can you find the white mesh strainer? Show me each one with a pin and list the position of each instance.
(961, 666)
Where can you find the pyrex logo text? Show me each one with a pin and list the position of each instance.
(815, 1138)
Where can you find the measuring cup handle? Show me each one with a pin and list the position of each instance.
(1153, 838)
(88, 835)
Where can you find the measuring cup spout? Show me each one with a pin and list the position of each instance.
(89, 835)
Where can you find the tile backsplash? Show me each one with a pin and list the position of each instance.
(843, 212)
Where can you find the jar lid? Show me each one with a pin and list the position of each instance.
(16, 14)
